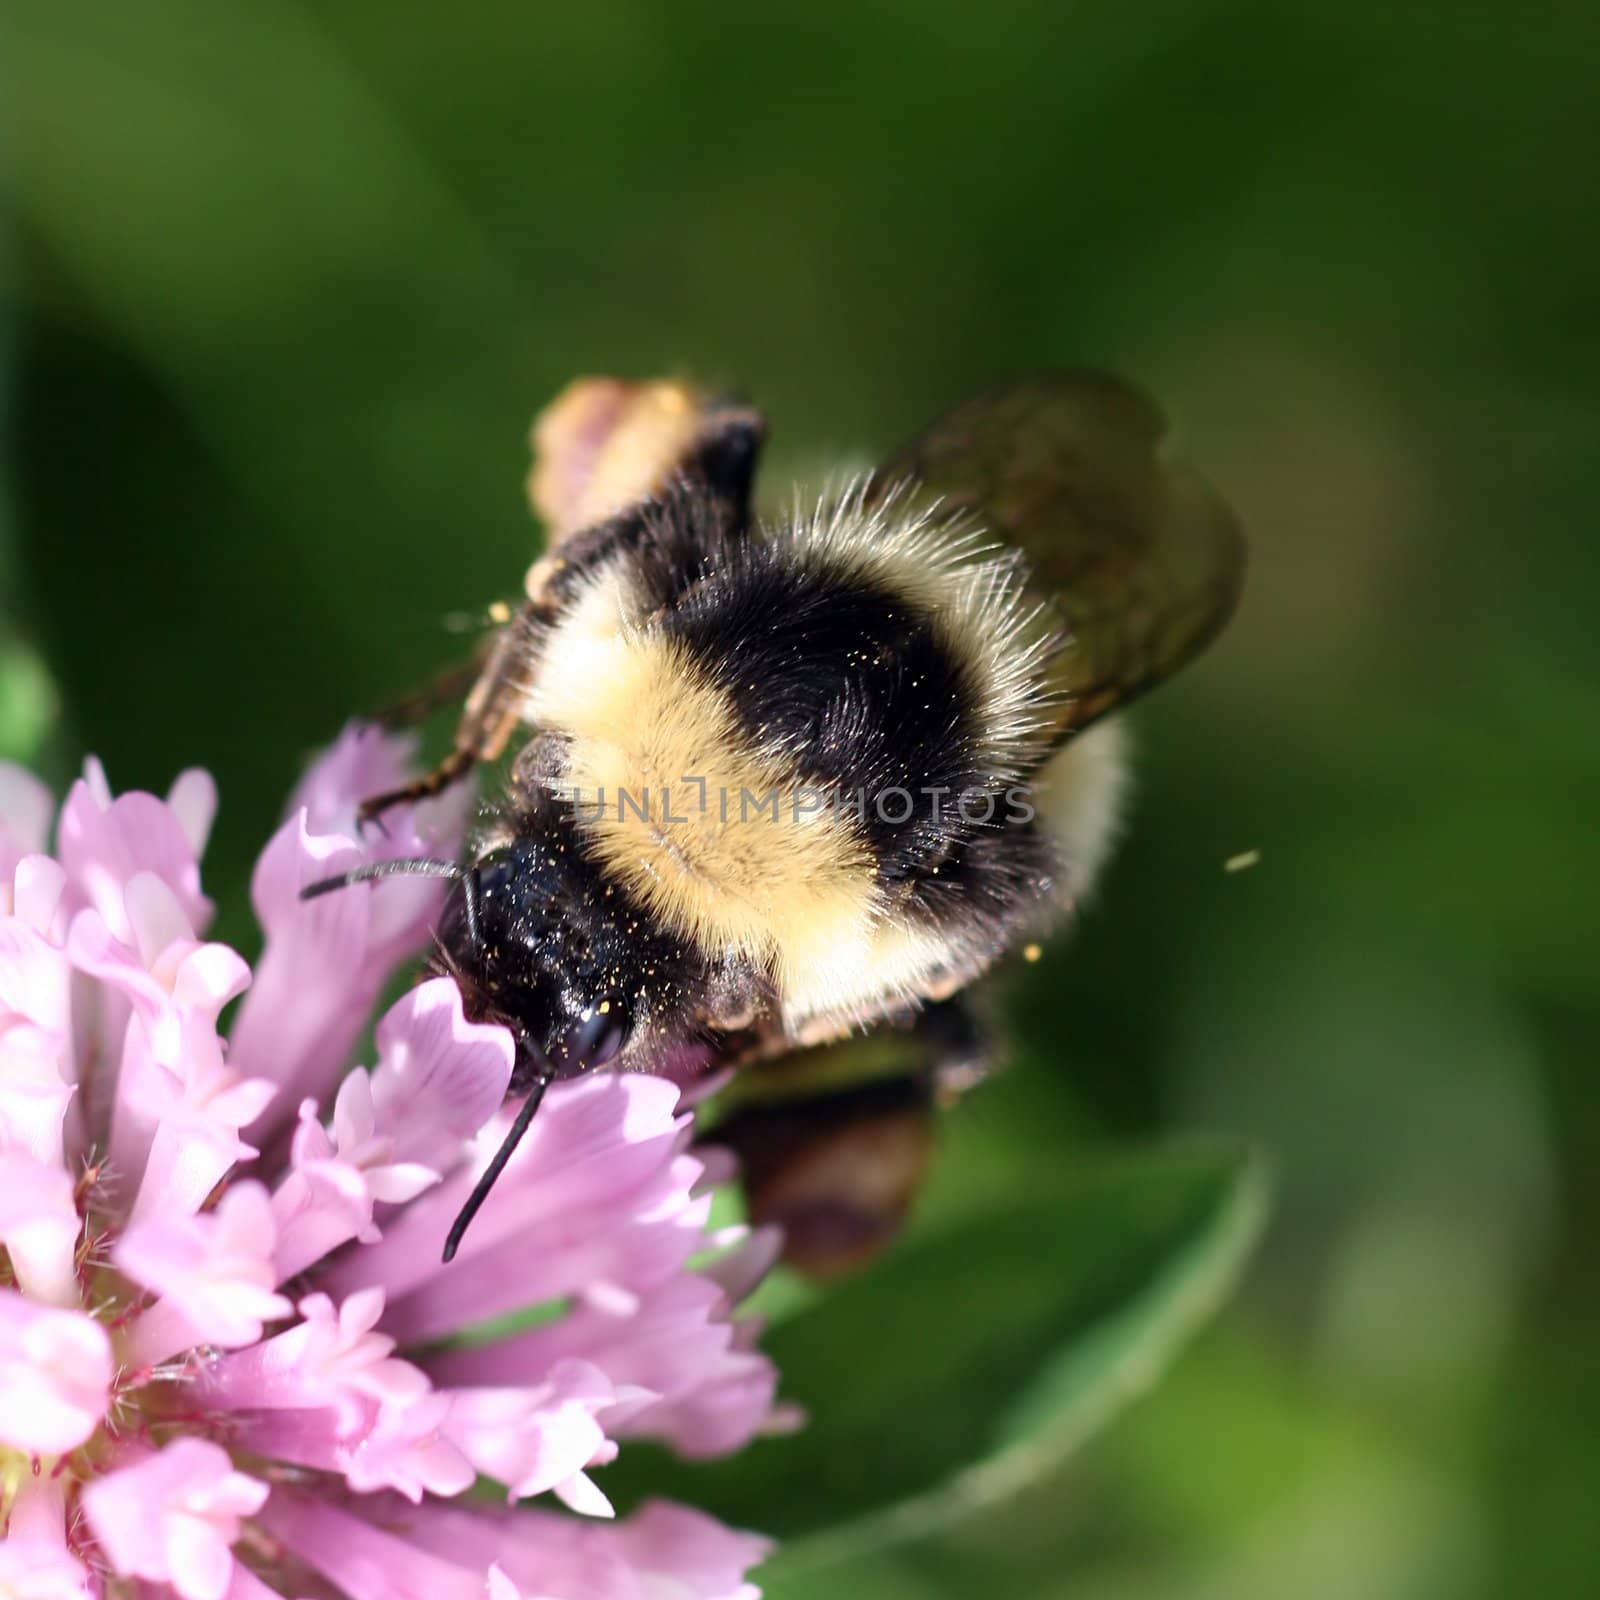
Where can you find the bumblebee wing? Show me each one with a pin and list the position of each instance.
(833, 1141)
(1140, 561)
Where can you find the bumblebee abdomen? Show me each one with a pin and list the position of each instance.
(796, 747)
(847, 686)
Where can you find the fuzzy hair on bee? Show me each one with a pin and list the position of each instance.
(776, 783)
(839, 704)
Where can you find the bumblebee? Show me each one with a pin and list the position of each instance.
(776, 790)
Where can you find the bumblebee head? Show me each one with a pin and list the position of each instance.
(538, 942)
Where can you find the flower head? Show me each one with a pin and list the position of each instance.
(228, 1356)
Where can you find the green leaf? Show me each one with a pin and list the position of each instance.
(973, 1361)
(27, 701)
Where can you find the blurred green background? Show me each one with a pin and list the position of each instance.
(285, 282)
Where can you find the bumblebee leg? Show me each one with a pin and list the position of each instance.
(447, 688)
(605, 448)
(491, 715)
(713, 474)
(442, 776)
(837, 1162)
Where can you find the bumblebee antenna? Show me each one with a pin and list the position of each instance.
(411, 867)
(491, 1173)
(414, 867)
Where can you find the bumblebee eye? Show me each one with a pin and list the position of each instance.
(601, 1033)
